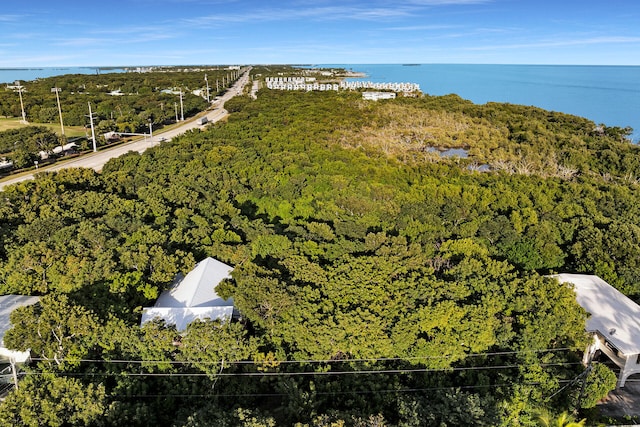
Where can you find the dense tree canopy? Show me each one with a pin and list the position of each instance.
(379, 283)
(121, 102)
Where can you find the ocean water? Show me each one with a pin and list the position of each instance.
(604, 94)
(9, 75)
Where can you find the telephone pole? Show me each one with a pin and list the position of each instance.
(181, 107)
(93, 132)
(207, 81)
(12, 361)
(24, 116)
(57, 89)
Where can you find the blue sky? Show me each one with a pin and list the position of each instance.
(36, 33)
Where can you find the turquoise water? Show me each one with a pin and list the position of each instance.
(9, 75)
(604, 94)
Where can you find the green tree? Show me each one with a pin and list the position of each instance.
(55, 329)
(50, 400)
(598, 383)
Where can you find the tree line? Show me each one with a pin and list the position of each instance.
(378, 285)
(121, 102)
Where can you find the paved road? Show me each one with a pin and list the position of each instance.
(97, 160)
(254, 89)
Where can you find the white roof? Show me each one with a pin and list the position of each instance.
(615, 316)
(181, 317)
(8, 303)
(193, 297)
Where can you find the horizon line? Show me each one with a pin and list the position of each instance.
(38, 67)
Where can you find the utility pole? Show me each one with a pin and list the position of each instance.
(14, 370)
(217, 88)
(151, 132)
(175, 105)
(181, 107)
(57, 89)
(207, 81)
(93, 132)
(24, 116)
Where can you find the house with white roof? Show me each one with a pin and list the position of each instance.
(614, 322)
(193, 297)
(8, 303)
(10, 360)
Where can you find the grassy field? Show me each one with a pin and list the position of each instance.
(69, 131)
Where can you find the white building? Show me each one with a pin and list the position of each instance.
(614, 322)
(8, 303)
(395, 87)
(193, 297)
(374, 96)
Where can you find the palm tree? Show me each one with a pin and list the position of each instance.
(562, 420)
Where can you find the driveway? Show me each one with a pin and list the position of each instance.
(622, 401)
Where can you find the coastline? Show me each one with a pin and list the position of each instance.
(603, 94)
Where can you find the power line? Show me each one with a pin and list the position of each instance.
(299, 373)
(325, 393)
(325, 361)
(569, 383)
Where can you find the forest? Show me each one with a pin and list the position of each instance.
(121, 102)
(380, 283)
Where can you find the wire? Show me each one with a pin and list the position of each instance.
(244, 362)
(571, 382)
(325, 393)
(303, 373)
(405, 390)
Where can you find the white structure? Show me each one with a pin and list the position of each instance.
(8, 303)
(299, 83)
(395, 87)
(58, 150)
(193, 297)
(302, 83)
(614, 322)
(5, 164)
(309, 84)
(374, 96)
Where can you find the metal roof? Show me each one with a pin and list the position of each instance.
(193, 297)
(612, 314)
(181, 317)
(8, 303)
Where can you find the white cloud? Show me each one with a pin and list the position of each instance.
(329, 13)
(447, 2)
(11, 18)
(561, 43)
(422, 27)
